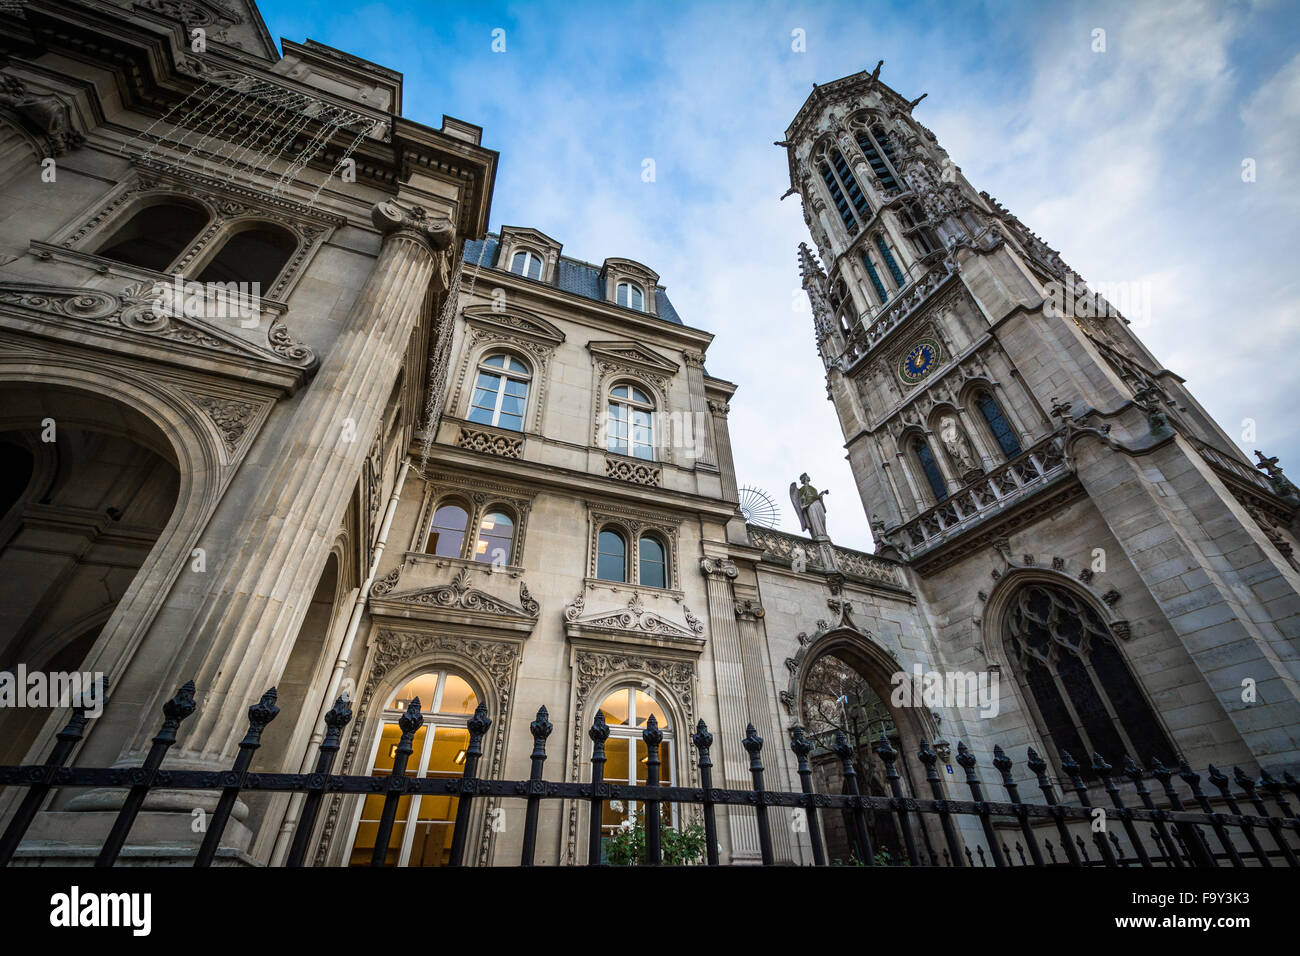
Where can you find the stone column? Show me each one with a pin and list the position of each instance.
(733, 705)
(753, 657)
(700, 417)
(722, 439)
(245, 629)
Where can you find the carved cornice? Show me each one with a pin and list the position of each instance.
(461, 595)
(635, 617)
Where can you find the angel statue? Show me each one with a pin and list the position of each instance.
(810, 508)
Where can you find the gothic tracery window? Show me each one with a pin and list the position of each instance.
(890, 263)
(1087, 701)
(998, 425)
(878, 165)
(930, 468)
(875, 278)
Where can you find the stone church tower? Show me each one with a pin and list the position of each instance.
(1073, 517)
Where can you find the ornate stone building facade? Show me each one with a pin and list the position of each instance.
(427, 460)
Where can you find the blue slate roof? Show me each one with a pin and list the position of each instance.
(571, 275)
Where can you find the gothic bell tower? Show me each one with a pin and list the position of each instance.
(1008, 430)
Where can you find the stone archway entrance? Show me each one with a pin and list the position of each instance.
(92, 485)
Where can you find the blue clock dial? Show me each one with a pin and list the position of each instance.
(919, 361)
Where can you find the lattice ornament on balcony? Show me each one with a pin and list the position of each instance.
(637, 472)
(490, 443)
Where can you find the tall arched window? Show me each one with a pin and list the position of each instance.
(1086, 699)
(629, 294)
(447, 532)
(652, 563)
(422, 832)
(930, 468)
(998, 425)
(890, 264)
(611, 555)
(631, 422)
(626, 711)
(500, 392)
(851, 187)
(875, 278)
(496, 539)
(878, 165)
(156, 235)
(837, 197)
(526, 263)
(256, 254)
(886, 144)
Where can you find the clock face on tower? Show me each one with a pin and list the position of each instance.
(919, 361)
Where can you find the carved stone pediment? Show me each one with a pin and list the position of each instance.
(134, 314)
(514, 321)
(633, 621)
(459, 596)
(634, 354)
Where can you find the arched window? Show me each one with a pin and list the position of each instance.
(447, 532)
(626, 711)
(611, 555)
(998, 425)
(631, 422)
(526, 263)
(422, 832)
(156, 235)
(252, 255)
(890, 264)
(629, 294)
(886, 144)
(652, 562)
(875, 277)
(837, 197)
(851, 187)
(931, 469)
(496, 539)
(878, 165)
(1086, 699)
(501, 392)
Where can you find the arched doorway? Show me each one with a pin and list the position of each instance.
(99, 483)
(844, 681)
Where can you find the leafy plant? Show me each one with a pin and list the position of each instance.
(677, 847)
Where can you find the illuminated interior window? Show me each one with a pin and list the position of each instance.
(423, 829)
(496, 539)
(626, 711)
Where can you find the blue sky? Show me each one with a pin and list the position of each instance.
(1128, 161)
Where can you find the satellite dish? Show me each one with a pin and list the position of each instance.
(758, 507)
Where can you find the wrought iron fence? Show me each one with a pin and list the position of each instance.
(1175, 835)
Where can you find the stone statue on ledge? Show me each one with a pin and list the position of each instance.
(810, 508)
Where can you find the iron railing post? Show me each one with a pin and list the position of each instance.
(703, 740)
(1200, 853)
(1071, 767)
(861, 838)
(65, 741)
(259, 715)
(541, 729)
(1038, 766)
(753, 743)
(889, 756)
(409, 722)
(1002, 763)
(598, 733)
(802, 746)
(928, 757)
(174, 711)
(1163, 839)
(1193, 780)
(967, 761)
(478, 727)
(1125, 816)
(653, 737)
(1274, 825)
(1222, 784)
(336, 718)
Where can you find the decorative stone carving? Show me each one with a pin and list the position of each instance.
(386, 584)
(748, 610)
(44, 111)
(489, 443)
(722, 566)
(232, 417)
(1111, 597)
(633, 470)
(1120, 629)
(460, 594)
(635, 617)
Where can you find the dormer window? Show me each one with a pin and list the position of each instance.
(526, 263)
(630, 295)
